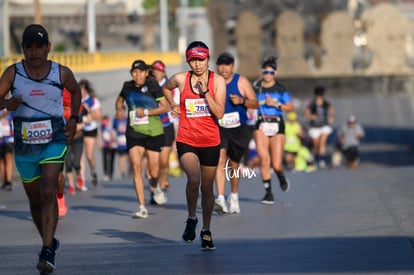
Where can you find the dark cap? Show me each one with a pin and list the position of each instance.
(35, 34)
(319, 90)
(139, 64)
(225, 58)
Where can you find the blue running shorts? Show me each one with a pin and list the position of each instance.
(29, 166)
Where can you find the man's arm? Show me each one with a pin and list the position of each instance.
(249, 96)
(6, 83)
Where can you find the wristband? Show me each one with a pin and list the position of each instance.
(75, 117)
(146, 112)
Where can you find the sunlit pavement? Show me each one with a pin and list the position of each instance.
(331, 221)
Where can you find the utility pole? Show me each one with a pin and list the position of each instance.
(4, 28)
(91, 26)
(182, 40)
(164, 25)
(38, 12)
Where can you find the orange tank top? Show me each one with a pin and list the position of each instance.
(197, 126)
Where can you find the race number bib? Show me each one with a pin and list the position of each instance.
(5, 129)
(230, 120)
(269, 128)
(38, 132)
(197, 107)
(121, 140)
(134, 120)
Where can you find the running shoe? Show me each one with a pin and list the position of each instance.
(322, 164)
(94, 179)
(7, 186)
(220, 206)
(46, 263)
(268, 198)
(56, 246)
(159, 196)
(233, 202)
(81, 185)
(62, 206)
(71, 191)
(206, 240)
(189, 232)
(142, 213)
(284, 184)
(153, 183)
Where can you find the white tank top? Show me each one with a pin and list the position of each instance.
(40, 98)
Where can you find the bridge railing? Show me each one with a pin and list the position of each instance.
(101, 61)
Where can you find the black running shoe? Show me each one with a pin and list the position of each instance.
(56, 245)
(7, 186)
(94, 179)
(268, 198)
(189, 231)
(46, 263)
(206, 240)
(152, 201)
(284, 184)
(153, 183)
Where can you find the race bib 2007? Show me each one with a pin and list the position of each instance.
(38, 132)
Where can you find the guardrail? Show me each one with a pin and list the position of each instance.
(101, 61)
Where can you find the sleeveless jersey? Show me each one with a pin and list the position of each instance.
(197, 126)
(321, 112)
(93, 104)
(41, 98)
(234, 114)
(39, 118)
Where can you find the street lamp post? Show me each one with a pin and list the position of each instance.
(4, 28)
(91, 27)
(164, 25)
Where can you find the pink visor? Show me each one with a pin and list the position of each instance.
(158, 66)
(200, 53)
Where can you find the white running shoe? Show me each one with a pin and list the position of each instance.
(142, 213)
(159, 196)
(220, 206)
(233, 204)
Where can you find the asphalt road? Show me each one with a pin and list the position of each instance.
(330, 222)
